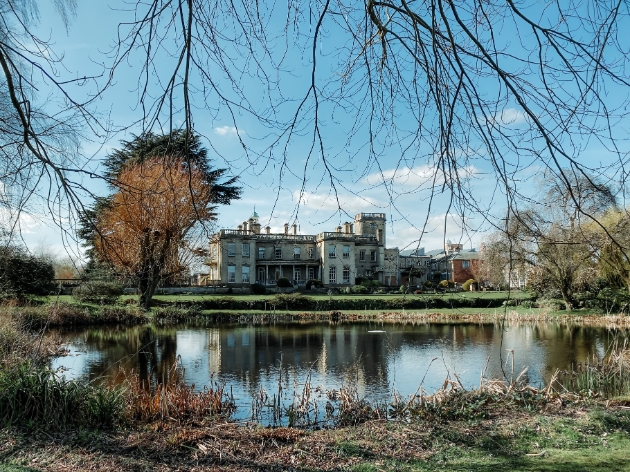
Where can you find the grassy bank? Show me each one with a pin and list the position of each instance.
(290, 308)
(557, 437)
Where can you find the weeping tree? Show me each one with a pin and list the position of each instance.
(164, 197)
(555, 235)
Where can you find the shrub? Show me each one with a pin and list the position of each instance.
(94, 291)
(283, 282)
(467, 284)
(359, 289)
(258, 289)
(367, 283)
(22, 273)
(313, 283)
(417, 292)
(403, 289)
(428, 284)
(446, 284)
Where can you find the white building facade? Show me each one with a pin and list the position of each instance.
(246, 255)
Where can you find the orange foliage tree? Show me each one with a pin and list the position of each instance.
(149, 220)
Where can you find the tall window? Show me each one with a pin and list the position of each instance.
(231, 274)
(362, 255)
(373, 256)
(245, 249)
(262, 276)
(332, 252)
(297, 275)
(261, 253)
(311, 273)
(332, 275)
(278, 253)
(311, 252)
(465, 264)
(245, 274)
(296, 252)
(231, 249)
(346, 252)
(346, 275)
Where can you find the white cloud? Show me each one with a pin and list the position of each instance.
(415, 176)
(227, 131)
(329, 202)
(403, 236)
(510, 116)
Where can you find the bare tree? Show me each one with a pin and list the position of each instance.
(444, 90)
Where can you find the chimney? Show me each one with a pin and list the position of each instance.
(347, 228)
(268, 229)
(286, 228)
(294, 229)
(239, 227)
(245, 228)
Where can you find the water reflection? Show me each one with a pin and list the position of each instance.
(251, 357)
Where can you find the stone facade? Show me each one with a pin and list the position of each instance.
(247, 255)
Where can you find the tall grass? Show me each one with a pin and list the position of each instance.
(607, 378)
(172, 399)
(38, 397)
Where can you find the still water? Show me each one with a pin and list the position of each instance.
(377, 359)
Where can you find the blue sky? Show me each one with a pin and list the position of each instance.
(299, 189)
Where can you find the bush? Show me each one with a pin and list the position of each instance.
(428, 284)
(403, 289)
(467, 284)
(258, 289)
(446, 284)
(367, 283)
(359, 289)
(283, 282)
(94, 291)
(313, 283)
(22, 273)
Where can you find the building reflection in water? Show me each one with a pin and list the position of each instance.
(251, 357)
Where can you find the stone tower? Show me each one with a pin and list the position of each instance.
(371, 224)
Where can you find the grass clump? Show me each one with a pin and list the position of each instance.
(37, 396)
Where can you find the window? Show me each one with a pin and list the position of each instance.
(373, 256)
(332, 275)
(296, 252)
(231, 274)
(231, 249)
(245, 249)
(311, 273)
(311, 252)
(465, 264)
(362, 255)
(261, 253)
(297, 275)
(245, 274)
(346, 252)
(262, 277)
(332, 252)
(346, 275)
(278, 253)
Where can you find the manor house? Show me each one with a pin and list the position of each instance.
(247, 255)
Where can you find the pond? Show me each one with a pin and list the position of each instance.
(376, 359)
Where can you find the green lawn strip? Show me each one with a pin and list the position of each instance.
(599, 441)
